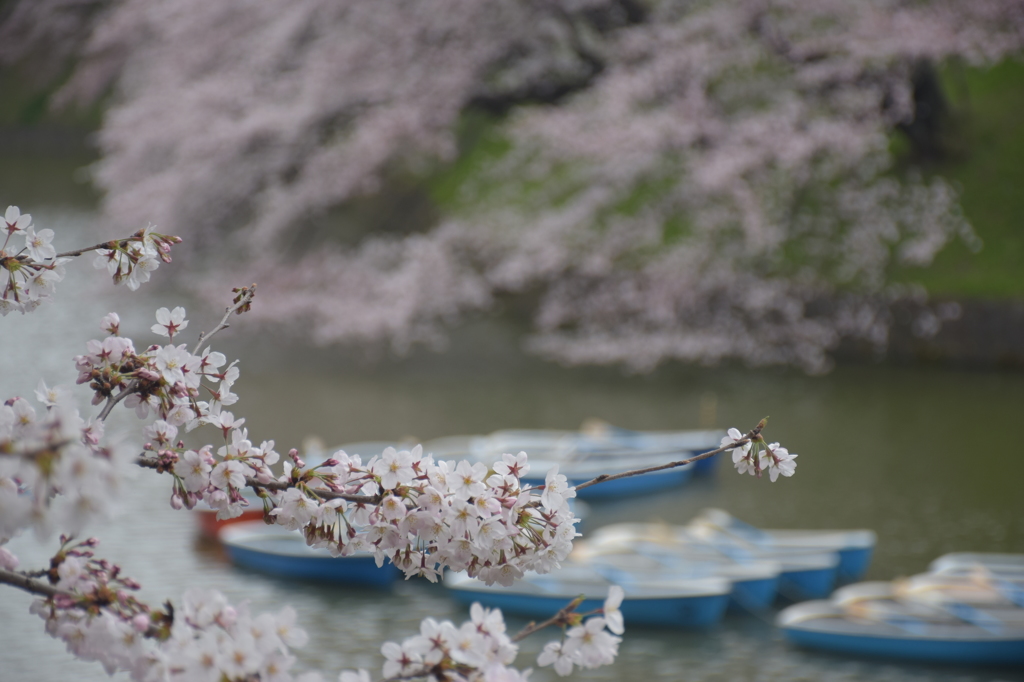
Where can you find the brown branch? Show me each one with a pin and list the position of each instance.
(150, 463)
(24, 582)
(114, 400)
(244, 300)
(322, 494)
(560, 617)
(753, 436)
(44, 589)
(108, 245)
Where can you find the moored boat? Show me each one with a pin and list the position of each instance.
(210, 526)
(892, 630)
(961, 562)
(755, 584)
(854, 547)
(693, 603)
(804, 573)
(276, 551)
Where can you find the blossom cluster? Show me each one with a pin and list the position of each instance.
(754, 455)
(588, 644)
(480, 650)
(204, 640)
(132, 261)
(55, 471)
(30, 280)
(403, 506)
(422, 514)
(165, 380)
(33, 271)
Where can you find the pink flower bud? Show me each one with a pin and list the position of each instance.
(140, 623)
(176, 502)
(148, 375)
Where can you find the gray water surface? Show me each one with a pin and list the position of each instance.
(928, 458)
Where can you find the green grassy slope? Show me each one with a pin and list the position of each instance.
(987, 166)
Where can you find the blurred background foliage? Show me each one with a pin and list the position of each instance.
(785, 270)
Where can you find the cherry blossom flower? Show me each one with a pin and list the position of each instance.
(111, 324)
(513, 465)
(467, 480)
(554, 653)
(591, 646)
(734, 436)
(556, 489)
(38, 245)
(16, 221)
(747, 460)
(401, 660)
(780, 462)
(395, 467)
(170, 322)
(50, 396)
(612, 614)
(229, 473)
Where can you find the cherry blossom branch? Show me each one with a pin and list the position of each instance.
(561, 617)
(240, 304)
(279, 486)
(753, 436)
(114, 400)
(322, 494)
(30, 585)
(112, 244)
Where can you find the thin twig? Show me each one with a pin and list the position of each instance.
(754, 435)
(114, 400)
(245, 299)
(24, 582)
(559, 617)
(109, 245)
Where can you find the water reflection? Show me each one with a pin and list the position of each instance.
(919, 455)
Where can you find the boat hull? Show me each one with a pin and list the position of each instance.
(813, 583)
(677, 612)
(753, 595)
(284, 554)
(998, 652)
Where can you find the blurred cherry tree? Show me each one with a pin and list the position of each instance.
(667, 179)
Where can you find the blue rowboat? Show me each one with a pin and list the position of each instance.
(897, 631)
(754, 585)
(275, 551)
(972, 588)
(854, 547)
(804, 573)
(964, 562)
(695, 603)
